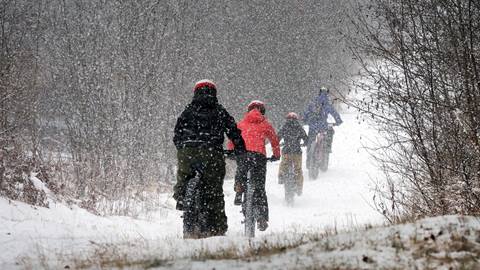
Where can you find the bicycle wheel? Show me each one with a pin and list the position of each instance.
(249, 211)
(324, 162)
(191, 223)
(315, 156)
(289, 186)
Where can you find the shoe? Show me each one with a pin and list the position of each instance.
(262, 225)
(238, 199)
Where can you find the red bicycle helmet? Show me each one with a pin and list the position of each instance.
(204, 83)
(292, 115)
(256, 104)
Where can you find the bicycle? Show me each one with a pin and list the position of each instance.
(319, 152)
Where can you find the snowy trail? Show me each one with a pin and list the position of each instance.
(338, 199)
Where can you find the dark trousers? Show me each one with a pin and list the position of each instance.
(256, 163)
(212, 184)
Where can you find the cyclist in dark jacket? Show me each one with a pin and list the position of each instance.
(292, 134)
(198, 137)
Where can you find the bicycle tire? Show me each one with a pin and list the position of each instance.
(289, 186)
(249, 211)
(191, 224)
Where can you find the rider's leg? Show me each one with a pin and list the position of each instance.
(259, 172)
(240, 178)
(185, 158)
(216, 219)
(283, 168)
(297, 165)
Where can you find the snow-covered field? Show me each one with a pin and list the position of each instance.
(338, 200)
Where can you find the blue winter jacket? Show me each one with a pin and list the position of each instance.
(316, 114)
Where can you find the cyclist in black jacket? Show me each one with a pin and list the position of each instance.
(292, 134)
(198, 137)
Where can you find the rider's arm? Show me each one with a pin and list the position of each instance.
(307, 112)
(179, 130)
(281, 133)
(273, 138)
(334, 113)
(233, 133)
(303, 135)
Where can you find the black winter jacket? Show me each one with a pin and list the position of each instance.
(292, 133)
(203, 123)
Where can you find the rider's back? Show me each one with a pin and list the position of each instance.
(203, 125)
(292, 134)
(316, 114)
(255, 131)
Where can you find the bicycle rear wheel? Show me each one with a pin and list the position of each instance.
(191, 223)
(290, 185)
(324, 162)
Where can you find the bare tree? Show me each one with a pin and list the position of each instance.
(421, 86)
(19, 97)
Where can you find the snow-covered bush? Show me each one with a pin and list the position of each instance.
(421, 87)
(15, 175)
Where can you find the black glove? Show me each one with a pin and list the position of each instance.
(274, 158)
(338, 123)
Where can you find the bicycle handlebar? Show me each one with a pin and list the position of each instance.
(230, 154)
(272, 159)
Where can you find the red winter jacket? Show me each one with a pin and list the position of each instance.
(255, 130)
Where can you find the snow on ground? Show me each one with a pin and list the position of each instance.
(448, 242)
(338, 199)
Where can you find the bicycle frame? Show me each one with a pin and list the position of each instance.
(319, 152)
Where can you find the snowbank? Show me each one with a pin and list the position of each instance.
(449, 242)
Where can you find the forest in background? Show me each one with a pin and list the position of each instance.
(90, 90)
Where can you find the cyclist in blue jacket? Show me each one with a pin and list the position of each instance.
(316, 115)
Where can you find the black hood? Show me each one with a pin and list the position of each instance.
(206, 98)
(293, 123)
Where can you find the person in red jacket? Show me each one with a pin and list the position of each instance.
(256, 130)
